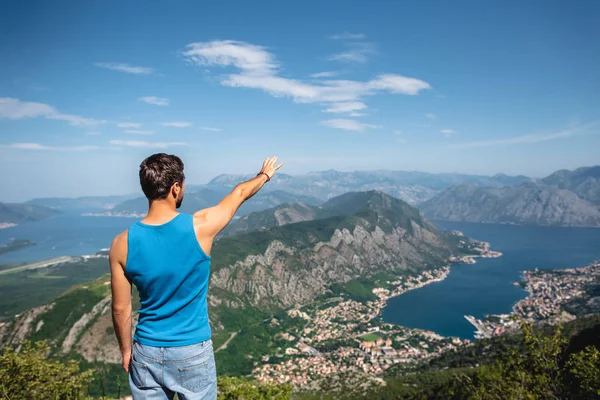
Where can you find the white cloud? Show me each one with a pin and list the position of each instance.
(38, 146)
(448, 132)
(208, 128)
(355, 114)
(130, 69)
(139, 132)
(358, 52)
(533, 138)
(398, 84)
(397, 132)
(93, 133)
(346, 107)
(400, 140)
(259, 69)
(157, 101)
(348, 36)
(325, 74)
(348, 125)
(143, 144)
(177, 124)
(129, 124)
(247, 57)
(430, 116)
(12, 108)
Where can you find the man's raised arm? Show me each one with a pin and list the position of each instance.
(210, 221)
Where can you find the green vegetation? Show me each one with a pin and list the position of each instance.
(370, 337)
(26, 289)
(69, 308)
(28, 374)
(237, 388)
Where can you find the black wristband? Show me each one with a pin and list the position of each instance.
(265, 174)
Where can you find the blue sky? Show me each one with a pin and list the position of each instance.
(88, 89)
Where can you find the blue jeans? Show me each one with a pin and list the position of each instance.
(157, 373)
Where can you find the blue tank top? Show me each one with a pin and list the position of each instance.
(170, 271)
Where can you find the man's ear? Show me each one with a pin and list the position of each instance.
(175, 189)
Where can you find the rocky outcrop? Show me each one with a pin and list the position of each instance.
(285, 276)
(82, 322)
(17, 330)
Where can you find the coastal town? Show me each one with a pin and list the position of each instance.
(356, 339)
(555, 296)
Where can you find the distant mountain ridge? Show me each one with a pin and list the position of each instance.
(584, 182)
(18, 213)
(410, 186)
(565, 198)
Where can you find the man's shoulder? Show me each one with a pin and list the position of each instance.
(120, 241)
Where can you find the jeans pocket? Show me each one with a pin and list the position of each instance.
(196, 377)
(138, 372)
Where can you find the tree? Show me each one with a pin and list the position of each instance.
(29, 374)
(239, 389)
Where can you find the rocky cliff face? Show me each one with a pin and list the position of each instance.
(530, 203)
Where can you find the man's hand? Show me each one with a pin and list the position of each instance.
(126, 361)
(269, 167)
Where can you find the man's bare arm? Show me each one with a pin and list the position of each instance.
(210, 221)
(121, 297)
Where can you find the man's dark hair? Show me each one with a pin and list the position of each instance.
(158, 173)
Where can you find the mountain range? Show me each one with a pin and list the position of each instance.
(565, 198)
(312, 188)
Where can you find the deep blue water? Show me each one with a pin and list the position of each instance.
(64, 235)
(487, 287)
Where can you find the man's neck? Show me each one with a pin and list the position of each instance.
(160, 211)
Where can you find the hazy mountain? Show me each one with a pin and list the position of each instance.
(208, 197)
(410, 186)
(529, 203)
(584, 182)
(18, 213)
(265, 270)
(86, 203)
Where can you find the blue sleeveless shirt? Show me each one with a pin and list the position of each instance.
(170, 271)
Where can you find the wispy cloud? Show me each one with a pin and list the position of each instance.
(123, 67)
(358, 53)
(430, 116)
(348, 125)
(348, 36)
(346, 107)
(259, 69)
(208, 128)
(157, 101)
(534, 138)
(177, 124)
(129, 124)
(93, 133)
(325, 74)
(448, 132)
(148, 145)
(139, 132)
(38, 146)
(12, 108)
